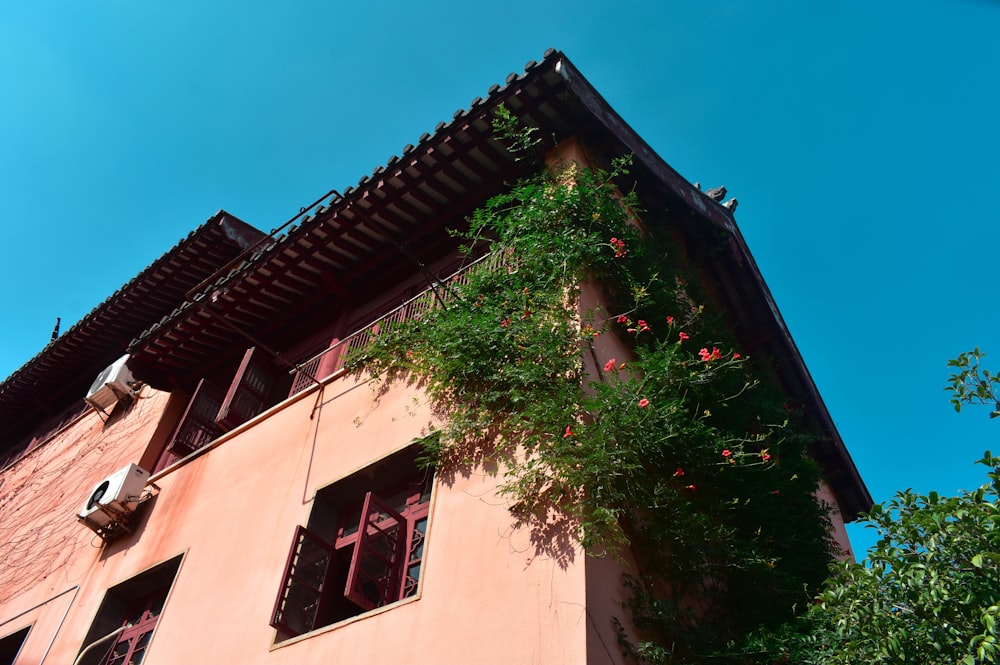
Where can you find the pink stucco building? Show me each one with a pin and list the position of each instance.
(284, 520)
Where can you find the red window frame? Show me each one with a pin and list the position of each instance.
(131, 645)
(386, 554)
(250, 391)
(303, 597)
(376, 572)
(212, 410)
(197, 426)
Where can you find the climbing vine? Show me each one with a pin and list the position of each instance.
(672, 452)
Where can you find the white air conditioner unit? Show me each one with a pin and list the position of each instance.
(111, 385)
(114, 498)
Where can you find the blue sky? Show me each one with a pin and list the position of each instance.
(861, 141)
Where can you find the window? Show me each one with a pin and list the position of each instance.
(363, 547)
(129, 611)
(129, 648)
(11, 645)
(213, 410)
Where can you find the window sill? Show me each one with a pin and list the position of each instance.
(346, 622)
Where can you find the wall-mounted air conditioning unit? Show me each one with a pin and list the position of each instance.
(114, 499)
(111, 385)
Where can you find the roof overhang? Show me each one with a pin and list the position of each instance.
(369, 238)
(61, 373)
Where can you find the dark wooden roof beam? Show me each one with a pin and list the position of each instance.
(380, 225)
(436, 192)
(393, 204)
(452, 179)
(303, 276)
(371, 208)
(181, 357)
(327, 263)
(420, 201)
(281, 291)
(459, 160)
(361, 235)
(355, 241)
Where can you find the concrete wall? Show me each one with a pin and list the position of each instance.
(486, 595)
(48, 559)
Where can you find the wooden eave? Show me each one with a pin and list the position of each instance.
(363, 239)
(63, 371)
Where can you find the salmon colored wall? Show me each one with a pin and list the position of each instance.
(236, 508)
(570, 152)
(839, 532)
(605, 589)
(486, 595)
(44, 552)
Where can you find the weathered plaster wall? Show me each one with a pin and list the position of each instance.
(839, 532)
(487, 596)
(44, 552)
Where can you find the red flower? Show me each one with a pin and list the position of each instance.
(727, 452)
(683, 336)
(670, 320)
(707, 355)
(643, 403)
(678, 472)
(690, 487)
(643, 325)
(765, 456)
(610, 365)
(619, 247)
(569, 432)
(622, 319)
(736, 356)
(504, 323)
(526, 314)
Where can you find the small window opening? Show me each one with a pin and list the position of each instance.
(133, 608)
(362, 548)
(11, 645)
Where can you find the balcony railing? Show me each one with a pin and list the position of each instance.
(331, 360)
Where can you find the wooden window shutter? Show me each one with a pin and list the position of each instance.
(302, 599)
(377, 563)
(132, 643)
(251, 390)
(197, 426)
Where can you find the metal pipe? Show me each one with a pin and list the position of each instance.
(249, 250)
(93, 644)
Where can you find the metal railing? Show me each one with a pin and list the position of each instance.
(331, 359)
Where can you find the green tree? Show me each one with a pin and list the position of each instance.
(929, 590)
